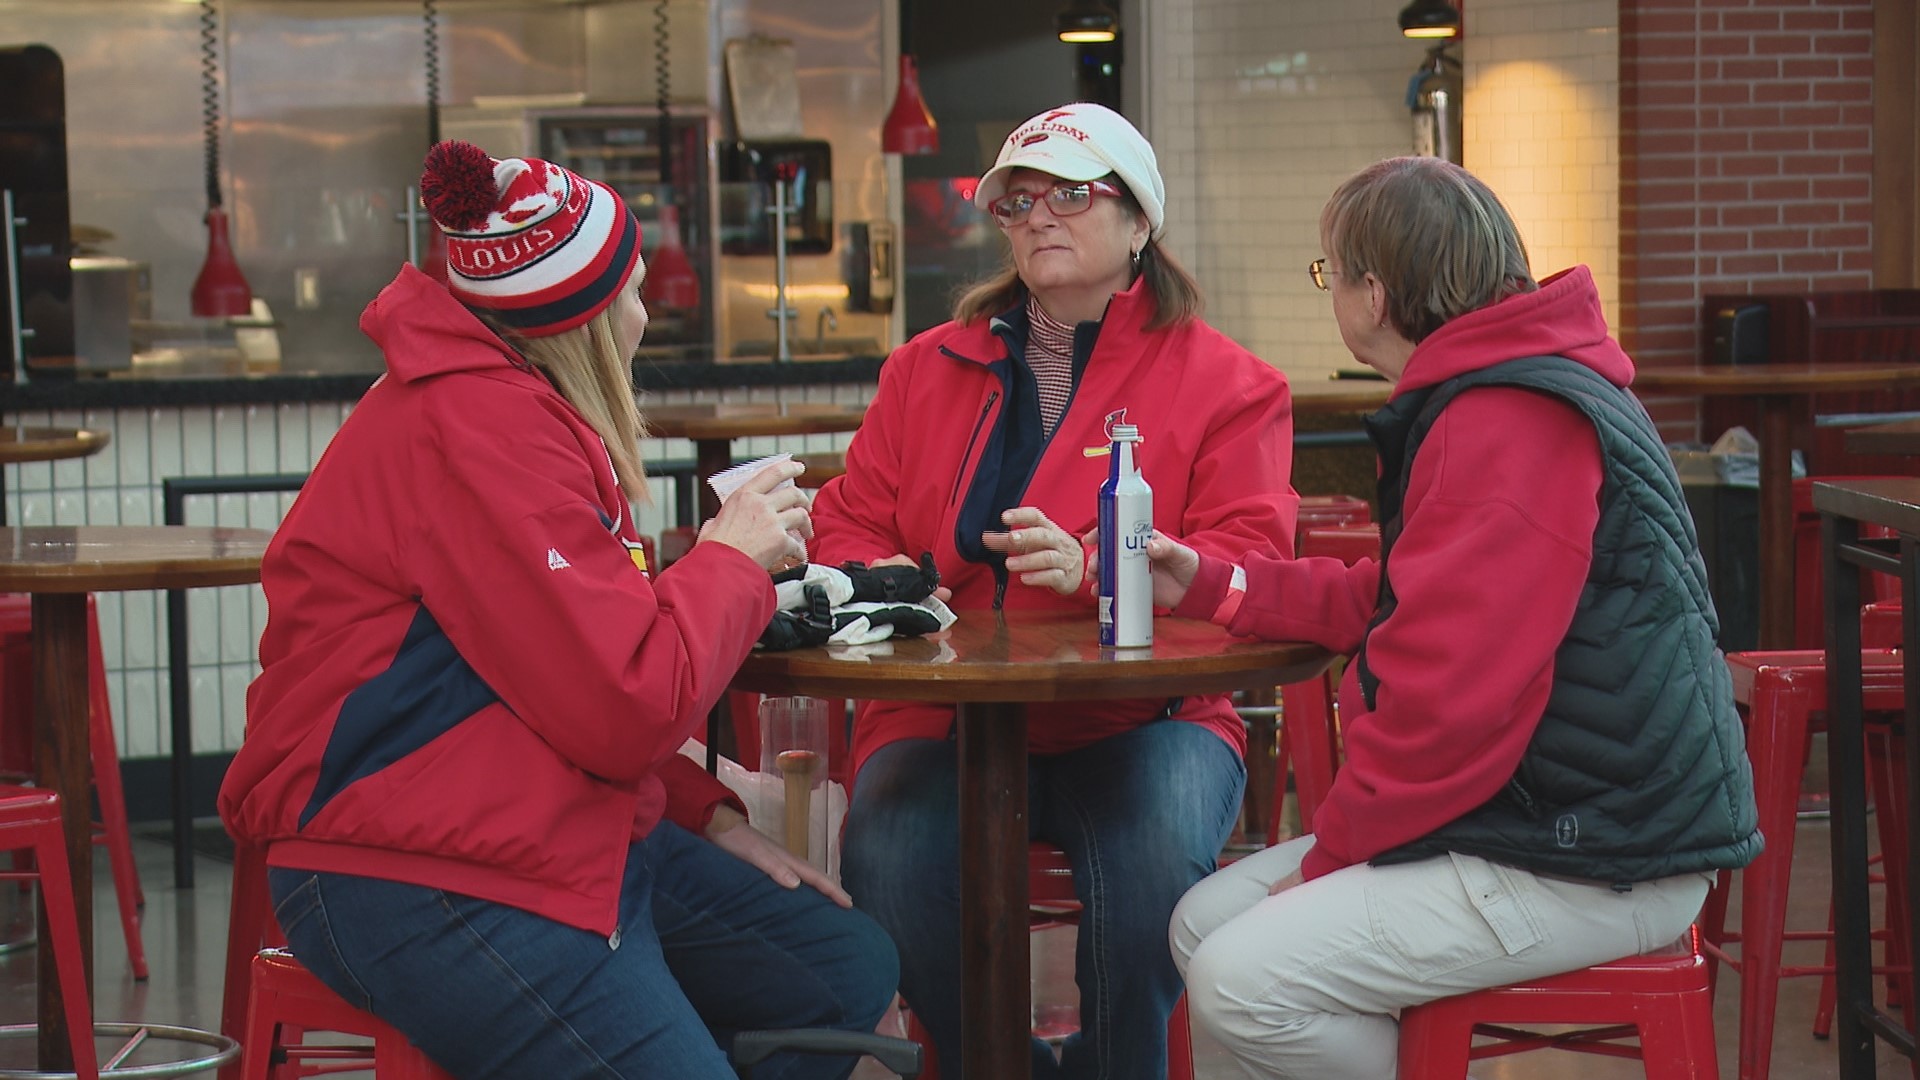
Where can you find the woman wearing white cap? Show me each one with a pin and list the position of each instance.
(972, 450)
(461, 749)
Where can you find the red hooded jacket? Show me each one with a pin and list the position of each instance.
(923, 470)
(1496, 541)
(467, 681)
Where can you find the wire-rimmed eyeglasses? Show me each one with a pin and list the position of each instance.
(1064, 199)
(1317, 270)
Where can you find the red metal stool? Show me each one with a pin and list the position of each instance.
(1051, 901)
(30, 819)
(1662, 997)
(286, 995)
(16, 752)
(1309, 732)
(1782, 694)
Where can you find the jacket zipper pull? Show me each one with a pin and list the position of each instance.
(613, 940)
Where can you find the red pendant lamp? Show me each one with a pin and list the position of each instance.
(672, 285)
(910, 128)
(220, 290)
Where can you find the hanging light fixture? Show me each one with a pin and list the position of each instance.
(910, 128)
(1430, 19)
(672, 285)
(220, 290)
(1087, 22)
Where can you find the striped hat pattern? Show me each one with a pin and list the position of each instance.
(541, 248)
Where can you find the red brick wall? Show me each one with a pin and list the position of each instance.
(1746, 161)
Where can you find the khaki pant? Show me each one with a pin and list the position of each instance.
(1308, 985)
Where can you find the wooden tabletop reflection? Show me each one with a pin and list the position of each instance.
(1033, 657)
(19, 444)
(88, 558)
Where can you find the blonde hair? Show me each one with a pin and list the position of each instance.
(1435, 236)
(1176, 296)
(586, 366)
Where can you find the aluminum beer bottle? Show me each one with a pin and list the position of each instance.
(1126, 523)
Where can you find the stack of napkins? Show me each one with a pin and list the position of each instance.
(728, 481)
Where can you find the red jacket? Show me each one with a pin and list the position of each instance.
(1496, 541)
(1218, 452)
(467, 682)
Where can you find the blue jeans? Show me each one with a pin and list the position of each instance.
(1141, 816)
(707, 946)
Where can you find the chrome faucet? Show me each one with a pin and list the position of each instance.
(781, 312)
(822, 323)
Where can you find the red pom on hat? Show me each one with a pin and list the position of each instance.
(458, 186)
(541, 248)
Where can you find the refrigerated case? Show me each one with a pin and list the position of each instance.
(620, 145)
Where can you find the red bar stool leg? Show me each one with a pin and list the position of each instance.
(113, 800)
(1776, 746)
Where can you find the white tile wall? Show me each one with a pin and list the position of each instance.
(1258, 109)
(121, 486)
(1543, 128)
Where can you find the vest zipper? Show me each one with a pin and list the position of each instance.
(971, 440)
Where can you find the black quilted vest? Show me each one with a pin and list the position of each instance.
(1638, 769)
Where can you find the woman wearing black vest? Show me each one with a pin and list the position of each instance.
(1543, 764)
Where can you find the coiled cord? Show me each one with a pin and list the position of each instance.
(430, 17)
(663, 88)
(210, 97)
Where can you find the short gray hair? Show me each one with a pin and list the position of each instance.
(1435, 236)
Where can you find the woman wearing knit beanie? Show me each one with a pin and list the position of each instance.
(461, 749)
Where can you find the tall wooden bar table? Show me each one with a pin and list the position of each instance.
(1893, 502)
(991, 666)
(714, 427)
(1779, 390)
(59, 566)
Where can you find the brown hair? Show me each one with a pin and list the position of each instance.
(1176, 295)
(586, 366)
(1435, 236)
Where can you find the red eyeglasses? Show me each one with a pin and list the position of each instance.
(1064, 199)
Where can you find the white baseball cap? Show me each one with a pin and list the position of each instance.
(1081, 141)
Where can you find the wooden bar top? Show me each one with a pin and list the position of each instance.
(734, 421)
(1762, 379)
(1899, 437)
(1893, 501)
(89, 558)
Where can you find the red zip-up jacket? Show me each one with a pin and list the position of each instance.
(1494, 549)
(1218, 452)
(466, 680)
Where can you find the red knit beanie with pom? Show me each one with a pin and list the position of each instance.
(540, 247)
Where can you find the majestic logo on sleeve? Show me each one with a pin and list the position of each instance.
(557, 561)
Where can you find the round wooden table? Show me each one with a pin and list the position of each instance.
(59, 566)
(713, 428)
(22, 444)
(1778, 389)
(990, 666)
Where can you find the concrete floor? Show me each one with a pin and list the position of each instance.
(185, 933)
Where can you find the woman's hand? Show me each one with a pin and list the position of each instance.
(728, 828)
(1041, 552)
(940, 592)
(1286, 883)
(770, 527)
(1171, 564)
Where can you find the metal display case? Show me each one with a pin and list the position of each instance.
(621, 146)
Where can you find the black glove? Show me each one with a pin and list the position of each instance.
(893, 584)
